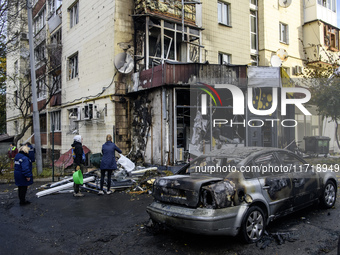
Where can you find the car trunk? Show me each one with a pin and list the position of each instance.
(181, 189)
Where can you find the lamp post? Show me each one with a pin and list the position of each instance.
(36, 123)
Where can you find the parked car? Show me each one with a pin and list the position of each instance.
(239, 191)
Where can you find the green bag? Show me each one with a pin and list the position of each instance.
(78, 177)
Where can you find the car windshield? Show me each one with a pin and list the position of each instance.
(214, 166)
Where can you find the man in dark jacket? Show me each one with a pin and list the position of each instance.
(23, 173)
(77, 161)
(108, 163)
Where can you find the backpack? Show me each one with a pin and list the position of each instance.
(83, 156)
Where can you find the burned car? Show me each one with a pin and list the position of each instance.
(239, 191)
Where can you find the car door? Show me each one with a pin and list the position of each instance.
(305, 181)
(276, 185)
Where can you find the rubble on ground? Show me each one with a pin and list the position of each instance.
(128, 177)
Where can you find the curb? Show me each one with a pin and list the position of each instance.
(6, 181)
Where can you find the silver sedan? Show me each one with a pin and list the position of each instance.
(239, 191)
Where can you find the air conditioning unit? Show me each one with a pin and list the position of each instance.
(297, 70)
(95, 112)
(75, 113)
(88, 111)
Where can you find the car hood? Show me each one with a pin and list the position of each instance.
(181, 189)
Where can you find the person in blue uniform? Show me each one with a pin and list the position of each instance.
(23, 173)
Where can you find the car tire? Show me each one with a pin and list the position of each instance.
(253, 225)
(328, 196)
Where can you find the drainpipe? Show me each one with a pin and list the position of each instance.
(167, 128)
(165, 99)
(162, 115)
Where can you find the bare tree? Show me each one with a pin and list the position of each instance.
(48, 59)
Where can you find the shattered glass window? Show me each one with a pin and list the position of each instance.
(267, 159)
(289, 159)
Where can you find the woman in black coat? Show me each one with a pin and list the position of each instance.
(108, 163)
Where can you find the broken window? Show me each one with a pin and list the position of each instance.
(73, 66)
(289, 159)
(162, 40)
(224, 59)
(56, 37)
(331, 37)
(254, 60)
(74, 117)
(266, 160)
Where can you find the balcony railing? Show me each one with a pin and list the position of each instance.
(192, 73)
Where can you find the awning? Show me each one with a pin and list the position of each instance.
(66, 159)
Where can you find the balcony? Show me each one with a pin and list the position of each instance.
(191, 73)
(167, 9)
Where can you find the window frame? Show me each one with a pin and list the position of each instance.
(55, 118)
(221, 56)
(224, 9)
(41, 89)
(74, 14)
(254, 62)
(39, 21)
(251, 16)
(283, 33)
(73, 66)
(39, 52)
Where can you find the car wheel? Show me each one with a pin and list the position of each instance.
(328, 196)
(253, 225)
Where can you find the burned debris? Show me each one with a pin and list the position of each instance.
(128, 177)
(218, 195)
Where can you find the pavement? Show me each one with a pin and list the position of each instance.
(117, 224)
(64, 224)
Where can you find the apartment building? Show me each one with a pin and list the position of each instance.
(127, 68)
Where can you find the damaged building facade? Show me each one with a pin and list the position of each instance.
(138, 69)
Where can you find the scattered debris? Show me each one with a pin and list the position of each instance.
(278, 237)
(137, 180)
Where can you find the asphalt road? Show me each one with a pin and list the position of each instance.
(116, 224)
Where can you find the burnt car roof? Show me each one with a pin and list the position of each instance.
(241, 152)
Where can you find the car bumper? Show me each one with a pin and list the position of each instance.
(225, 221)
